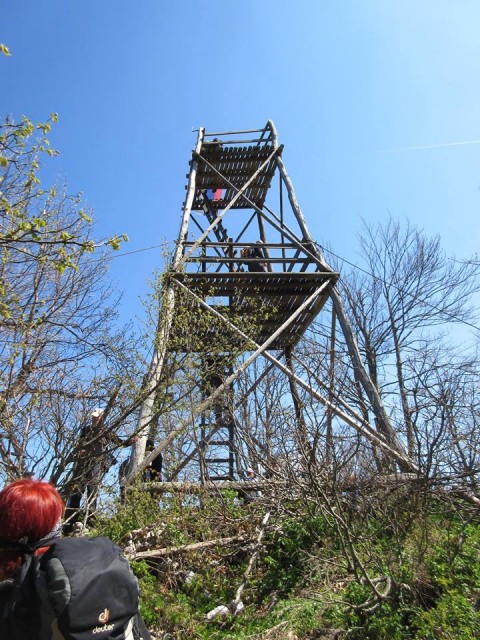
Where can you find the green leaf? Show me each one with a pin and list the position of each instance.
(84, 216)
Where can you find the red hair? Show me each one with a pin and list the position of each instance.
(28, 508)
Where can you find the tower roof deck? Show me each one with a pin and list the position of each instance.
(227, 164)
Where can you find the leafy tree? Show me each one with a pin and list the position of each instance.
(30, 227)
(60, 354)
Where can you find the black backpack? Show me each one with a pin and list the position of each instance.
(80, 589)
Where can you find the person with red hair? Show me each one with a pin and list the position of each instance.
(53, 588)
(30, 512)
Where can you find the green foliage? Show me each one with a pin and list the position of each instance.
(435, 590)
(116, 241)
(140, 509)
(37, 224)
(151, 602)
(303, 584)
(448, 560)
(197, 330)
(387, 622)
(288, 553)
(454, 617)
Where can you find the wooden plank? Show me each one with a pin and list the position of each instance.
(209, 487)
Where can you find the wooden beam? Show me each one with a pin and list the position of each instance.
(209, 487)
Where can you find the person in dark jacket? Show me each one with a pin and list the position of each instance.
(256, 258)
(153, 473)
(93, 461)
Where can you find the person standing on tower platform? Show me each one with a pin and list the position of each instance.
(256, 259)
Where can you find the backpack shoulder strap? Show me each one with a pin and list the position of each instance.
(20, 608)
(53, 586)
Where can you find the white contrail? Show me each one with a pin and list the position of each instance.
(430, 146)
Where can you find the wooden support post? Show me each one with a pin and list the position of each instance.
(384, 424)
(331, 379)
(162, 334)
(304, 441)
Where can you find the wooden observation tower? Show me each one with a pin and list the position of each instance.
(246, 262)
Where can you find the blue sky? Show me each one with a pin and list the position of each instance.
(350, 85)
